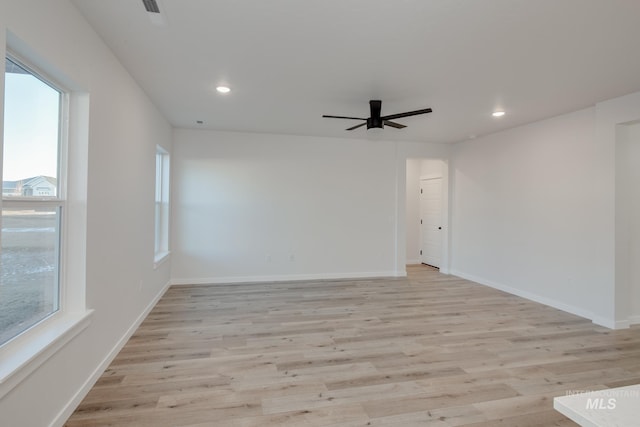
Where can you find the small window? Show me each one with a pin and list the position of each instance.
(162, 205)
(32, 206)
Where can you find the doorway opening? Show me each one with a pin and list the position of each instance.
(427, 213)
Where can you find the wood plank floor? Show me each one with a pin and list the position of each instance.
(428, 350)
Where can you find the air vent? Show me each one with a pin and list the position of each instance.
(151, 6)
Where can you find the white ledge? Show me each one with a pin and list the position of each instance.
(613, 407)
(25, 353)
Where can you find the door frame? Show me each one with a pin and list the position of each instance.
(401, 211)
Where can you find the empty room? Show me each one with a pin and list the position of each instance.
(320, 213)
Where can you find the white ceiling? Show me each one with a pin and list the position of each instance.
(290, 61)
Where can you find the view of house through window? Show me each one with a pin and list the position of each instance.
(32, 206)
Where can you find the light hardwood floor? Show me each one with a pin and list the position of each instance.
(429, 350)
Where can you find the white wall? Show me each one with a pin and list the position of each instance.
(431, 168)
(245, 204)
(528, 213)
(634, 198)
(548, 211)
(120, 159)
(261, 207)
(628, 220)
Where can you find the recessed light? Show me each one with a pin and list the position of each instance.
(199, 122)
(223, 89)
(498, 113)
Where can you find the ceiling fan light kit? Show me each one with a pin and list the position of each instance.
(377, 120)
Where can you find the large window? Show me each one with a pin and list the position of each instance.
(32, 200)
(162, 205)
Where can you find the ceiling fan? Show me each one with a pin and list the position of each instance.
(376, 121)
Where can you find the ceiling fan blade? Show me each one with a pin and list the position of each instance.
(357, 126)
(343, 117)
(393, 124)
(407, 114)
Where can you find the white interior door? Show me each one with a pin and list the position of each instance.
(431, 221)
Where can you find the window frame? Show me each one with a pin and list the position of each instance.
(25, 352)
(57, 202)
(161, 206)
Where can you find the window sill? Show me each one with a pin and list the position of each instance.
(25, 353)
(160, 258)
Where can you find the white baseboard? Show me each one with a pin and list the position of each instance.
(634, 320)
(413, 261)
(285, 278)
(618, 324)
(68, 409)
(608, 323)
